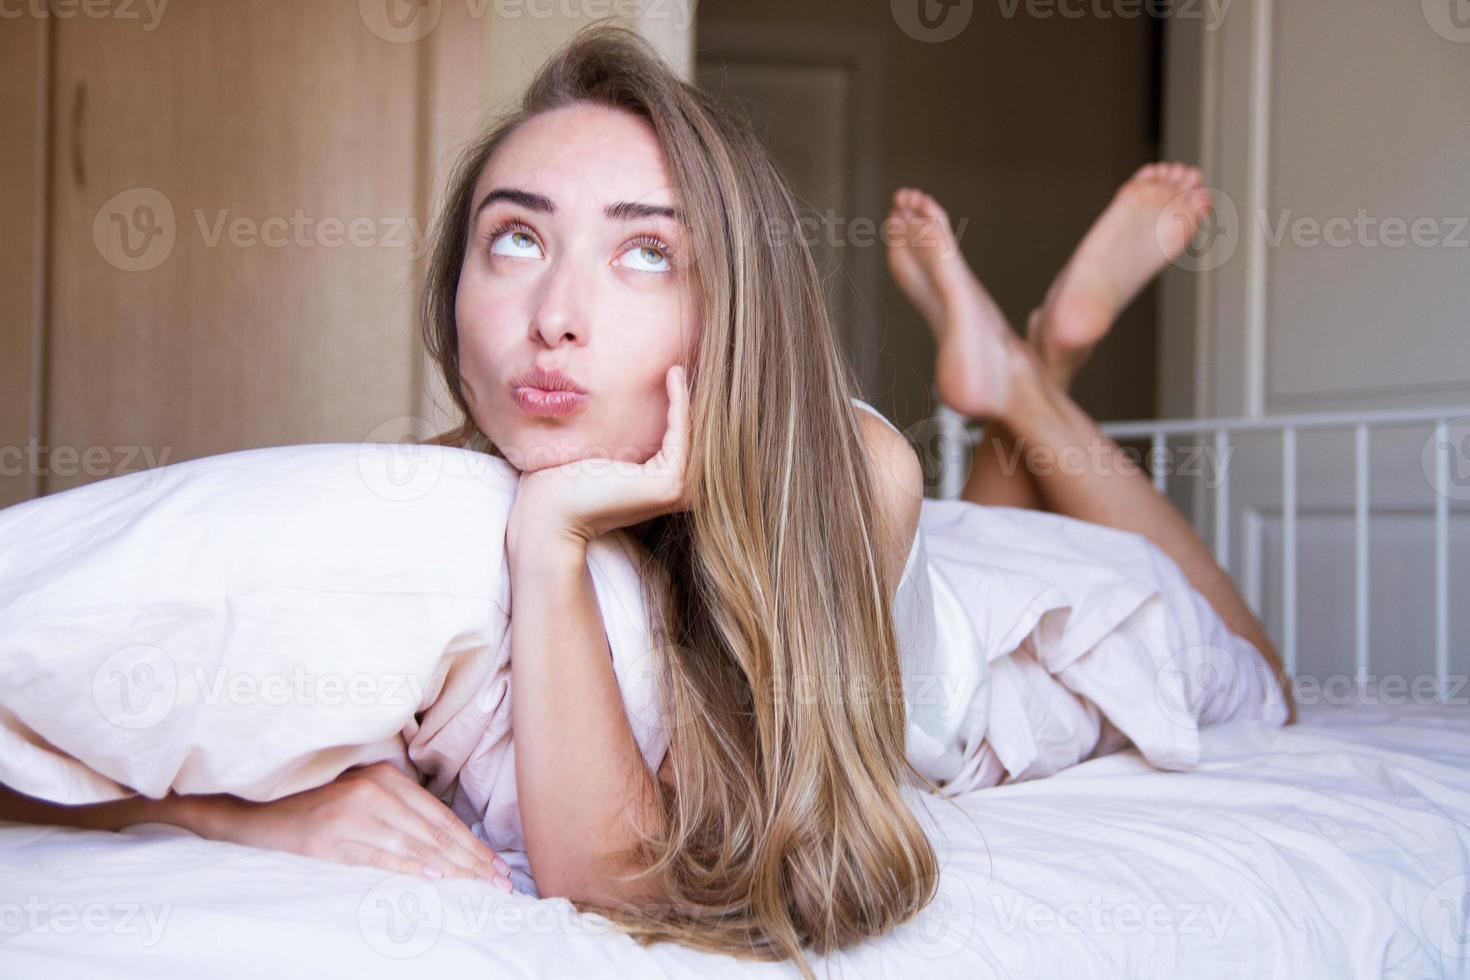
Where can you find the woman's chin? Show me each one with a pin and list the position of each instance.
(529, 459)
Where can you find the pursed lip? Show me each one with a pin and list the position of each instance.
(549, 394)
(546, 380)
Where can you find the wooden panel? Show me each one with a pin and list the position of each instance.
(457, 55)
(237, 192)
(22, 215)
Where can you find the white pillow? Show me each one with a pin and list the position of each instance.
(257, 622)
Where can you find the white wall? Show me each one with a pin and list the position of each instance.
(1337, 136)
(517, 39)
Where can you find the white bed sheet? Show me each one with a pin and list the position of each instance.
(1336, 848)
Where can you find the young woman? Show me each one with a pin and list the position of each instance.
(619, 309)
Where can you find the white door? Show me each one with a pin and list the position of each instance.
(1336, 278)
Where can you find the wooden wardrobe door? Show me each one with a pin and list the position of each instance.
(237, 196)
(22, 259)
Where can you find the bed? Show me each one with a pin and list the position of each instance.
(1338, 847)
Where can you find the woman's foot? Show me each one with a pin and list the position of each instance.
(1149, 222)
(971, 369)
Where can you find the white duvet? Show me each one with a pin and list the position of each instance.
(257, 622)
(1336, 848)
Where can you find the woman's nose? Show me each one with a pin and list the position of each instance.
(558, 316)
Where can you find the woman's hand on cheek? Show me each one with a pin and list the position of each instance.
(581, 500)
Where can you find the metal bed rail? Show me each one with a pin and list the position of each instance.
(1287, 427)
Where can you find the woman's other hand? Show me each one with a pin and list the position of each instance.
(374, 816)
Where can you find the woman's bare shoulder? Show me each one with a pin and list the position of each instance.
(898, 484)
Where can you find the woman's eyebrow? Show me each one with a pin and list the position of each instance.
(527, 200)
(622, 211)
(629, 211)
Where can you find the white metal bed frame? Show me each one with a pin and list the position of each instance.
(1158, 431)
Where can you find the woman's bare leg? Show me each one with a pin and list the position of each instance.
(924, 258)
(1084, 474)
(1041, 450)
(1149, 221)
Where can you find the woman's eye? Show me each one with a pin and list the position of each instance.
(646, 258)
(516, 243)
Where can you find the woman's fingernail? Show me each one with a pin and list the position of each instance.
(504, 884)
(432, 872)
(501, 866)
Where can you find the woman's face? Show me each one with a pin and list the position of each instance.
(577, 265)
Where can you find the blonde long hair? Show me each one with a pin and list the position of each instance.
(778, 661)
